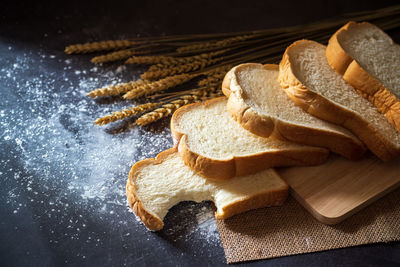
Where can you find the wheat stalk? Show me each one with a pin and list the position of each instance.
(117, 89)
(233, 37)
(160, 85)
(178, 59)
(168, 108)
(119, 115)
(99, 46)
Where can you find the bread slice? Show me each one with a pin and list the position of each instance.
(214, 145)
(311, 83)
(259, 104)
(369, 60)
(156, 185)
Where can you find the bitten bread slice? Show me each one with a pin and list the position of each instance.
(156, 185)
(260, 105)
(311, 83)
(369, 60)
(214, 145)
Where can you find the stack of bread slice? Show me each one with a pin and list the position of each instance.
(369, 61)
(293, 114)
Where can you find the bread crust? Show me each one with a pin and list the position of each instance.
(337, 57)
(267, 126)
(247, 117)
(226, 83)
(325, 109)
(238, 165)
(365, 84)
(267, 199)
(150, 220)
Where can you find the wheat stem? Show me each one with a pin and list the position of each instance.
(234, 36)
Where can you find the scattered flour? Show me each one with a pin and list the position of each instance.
(65, 162)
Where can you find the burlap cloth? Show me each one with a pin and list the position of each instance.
(290, 229)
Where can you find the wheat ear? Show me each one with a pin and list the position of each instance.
(114, 56)
(160, 85)
(167, 109)
(119, 115)
(214, 44)
(117, 89)
(173, 60)
(159, 71)
(212, 79)
(98, 46)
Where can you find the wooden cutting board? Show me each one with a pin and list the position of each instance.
(339, 188)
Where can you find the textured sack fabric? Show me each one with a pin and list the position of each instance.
(290, 229)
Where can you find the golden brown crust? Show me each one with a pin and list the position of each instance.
(240, 165)
(266, 199)
(247, 117)
(370, 88)
(151, 221)
(226, 83)
(327, 110)
(337, 57)
(274, 198)
(266, 126)
(203, 166)
(366, 85)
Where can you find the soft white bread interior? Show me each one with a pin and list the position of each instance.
(214, 145)
(369, 60)
(311, 83)
(260, 105)
(156, 185)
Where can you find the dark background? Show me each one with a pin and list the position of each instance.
(62, 178)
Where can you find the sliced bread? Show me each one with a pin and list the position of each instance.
(214, 145)
(156, 185)
(260, 105)
(369, 60)
(311, 83)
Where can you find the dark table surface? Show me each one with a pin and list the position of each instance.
(62, 196)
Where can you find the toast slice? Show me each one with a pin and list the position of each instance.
(215, 146)
(369, 60)
(156, 185)
(311, 83)
(259, 104)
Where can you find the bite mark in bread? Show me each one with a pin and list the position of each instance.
(155, 185)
